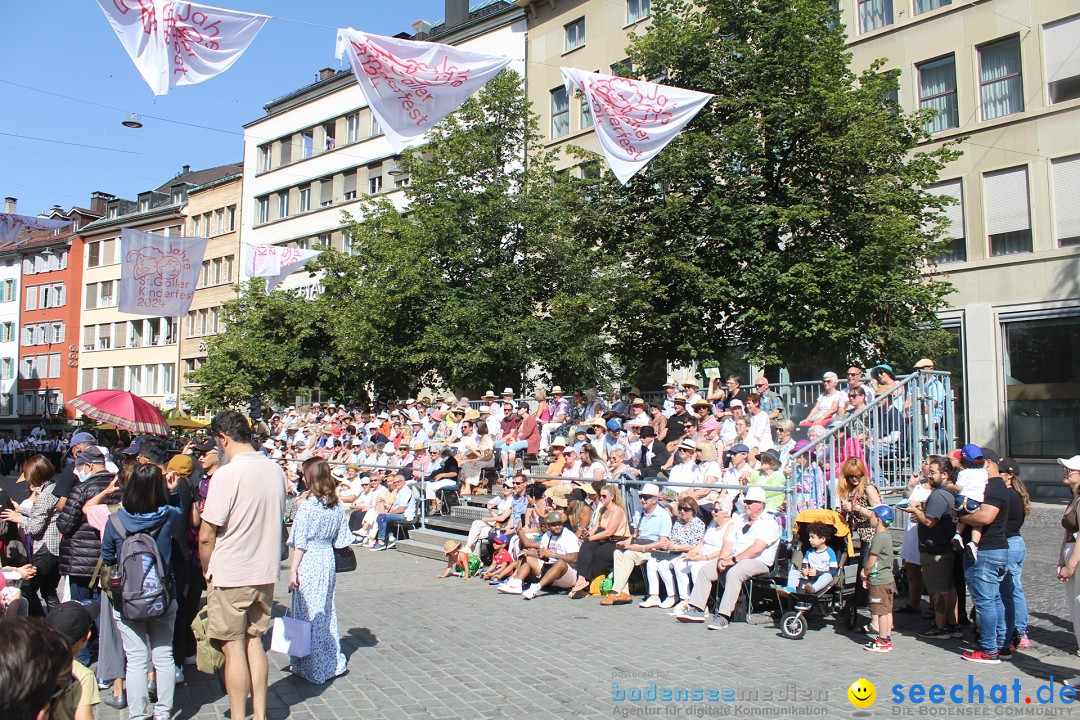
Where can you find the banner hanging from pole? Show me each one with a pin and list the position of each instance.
(175, 43)
(159, 274)
(274, 262)
(634, 119)
(411, 85)
(11, 225)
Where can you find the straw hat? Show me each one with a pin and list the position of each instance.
(451, 546)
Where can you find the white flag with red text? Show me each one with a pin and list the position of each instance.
(176, 43)
(634, 119)
(412, 85)
(11, 225)
(274, 262)
(159, 273)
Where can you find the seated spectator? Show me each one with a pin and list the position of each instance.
(552, 560)
(717, 542)
(827, 404)
(687, 532)
(819, 564)
(403, 509)
(442, 473)
(753, 554)
(653, 529)
(760, 436)
(770, 477)
(375, 499)
(500, 559)
(654, 454)
(785, 444)
(596, 556)
(501, 508)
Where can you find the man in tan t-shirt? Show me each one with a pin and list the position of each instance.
(240, 549)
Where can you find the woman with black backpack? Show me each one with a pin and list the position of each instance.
(137, 549)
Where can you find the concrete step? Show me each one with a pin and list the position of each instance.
(450, 523)
(469, 512)
(414, 547)
(476, 500)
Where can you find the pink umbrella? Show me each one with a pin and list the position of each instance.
(122, 409)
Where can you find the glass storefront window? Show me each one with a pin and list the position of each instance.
(1042, 395)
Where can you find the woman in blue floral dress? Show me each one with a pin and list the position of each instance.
(319, 527)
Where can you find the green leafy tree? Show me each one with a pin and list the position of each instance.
(788, 218)
(272, 347)
(475, 283)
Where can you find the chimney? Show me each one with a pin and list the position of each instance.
(99, 200)
(185, 170)
(326, 74)
(9, 204)
(457, 12)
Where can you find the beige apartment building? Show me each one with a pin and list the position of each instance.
(1005, 75)
(213, 212)
(121, 351)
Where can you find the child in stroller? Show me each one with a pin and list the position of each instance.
(815, 582)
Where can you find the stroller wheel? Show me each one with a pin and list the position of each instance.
(793, 625)
(851, 614)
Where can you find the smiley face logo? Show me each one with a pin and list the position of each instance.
(862, 693)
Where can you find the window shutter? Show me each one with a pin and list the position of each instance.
(102, 378)
(350, 182)
(1062, 58)
(27, 336)
(41, 366)
(87, 380)
(54, 365)
(31, 298)
(91, 296)
(89, 338)
(954, 214)
(27, 266)
(61, 296)
(1006, 201)
(1067, 199)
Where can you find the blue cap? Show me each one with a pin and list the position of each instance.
(971, 453)
(614, 424)
(135, 446)
(83, 437)
(739, 448)
(885, 513)
(500, 538)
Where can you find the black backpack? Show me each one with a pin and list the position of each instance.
(145, 590)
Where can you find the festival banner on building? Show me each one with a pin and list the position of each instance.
(274, 262)
(159, 274)
(176, 43)
(412, 85)
(11, 225)
(633, 119)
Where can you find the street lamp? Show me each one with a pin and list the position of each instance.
(132, 122)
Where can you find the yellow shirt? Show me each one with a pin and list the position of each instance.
(81, 693)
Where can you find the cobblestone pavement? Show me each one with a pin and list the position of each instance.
(425, 648)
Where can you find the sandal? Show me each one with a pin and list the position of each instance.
(867, 629)
(578, 594)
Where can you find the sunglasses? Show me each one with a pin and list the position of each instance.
(686, 509)
(759, 384)
(717, 510)
(854, 477)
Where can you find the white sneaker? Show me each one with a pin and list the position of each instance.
(532, 592)
(669, 602)
(651, 602)
(511, 587)
(680, 608)
(1072, 682)
(179, 676)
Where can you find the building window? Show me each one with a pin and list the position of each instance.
(637, 10)
(7, 332)
(263, 209)
(31, 298)
(229, 261)
(586, 115)
(352, 128)
(283, 205)
(307, 143)
(329, 140)
(574, 34)
(374, 185)
(93, 254)
(937, 91)
(560, 113)
(305, 199)
(623, 68)
(874, 14)
(1062, 59)
(347, 241)
(1007, 207)
(1042, 362)
(230, 218)
(956, 250)
(1066, 178)
(922, 6)
(266, 157)
(8, 291)
(1001, 88)
(375, 129)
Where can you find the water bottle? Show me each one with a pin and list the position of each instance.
(114, 581)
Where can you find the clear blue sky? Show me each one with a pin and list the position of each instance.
(70, 49)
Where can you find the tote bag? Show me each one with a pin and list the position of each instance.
(291, 637)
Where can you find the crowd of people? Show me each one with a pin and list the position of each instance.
(694, 490)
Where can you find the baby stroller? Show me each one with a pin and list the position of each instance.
(829, 600)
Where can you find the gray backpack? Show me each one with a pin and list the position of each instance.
(144, 591)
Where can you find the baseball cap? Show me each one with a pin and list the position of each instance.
(83, 437)
(135, 446)
(500, 538)
(206, 445)
(182, 464)
(971, 453)
(739, 448)
(73, 619)
(1072, 463)
(885, 513)
(91, 455)
(1008, 465)
(990, 455)
(735, 403)
(555, 517)
(614, 425)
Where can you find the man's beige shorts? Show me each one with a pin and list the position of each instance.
(239, 612)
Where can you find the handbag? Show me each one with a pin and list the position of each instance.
(344, 559)
(291, 636)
